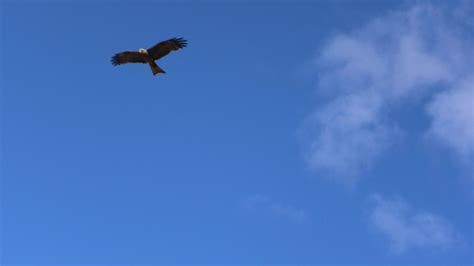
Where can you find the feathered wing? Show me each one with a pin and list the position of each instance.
(129, 57)
(165, 47)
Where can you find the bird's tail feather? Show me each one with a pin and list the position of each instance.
(155, 68)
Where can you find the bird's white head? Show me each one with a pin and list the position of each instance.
(143, 51)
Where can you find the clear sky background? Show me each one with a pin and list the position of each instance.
(306, 132)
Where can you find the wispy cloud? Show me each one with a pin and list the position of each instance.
(406, 228)
(262, 203)
(347, 135)
(366, 74)
(452, 113)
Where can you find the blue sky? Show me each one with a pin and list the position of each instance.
(310, 132)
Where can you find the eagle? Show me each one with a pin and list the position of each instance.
(149, 56)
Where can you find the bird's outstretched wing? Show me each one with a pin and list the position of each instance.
(165, 47)
(128, 57)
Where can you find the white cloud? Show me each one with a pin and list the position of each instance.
(264, 203)
(407, 229)
(346, 128)
(375, 69)
(452, 112)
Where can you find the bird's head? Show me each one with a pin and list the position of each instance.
(143, 51)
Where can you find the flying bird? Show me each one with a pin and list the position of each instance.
(149, 56)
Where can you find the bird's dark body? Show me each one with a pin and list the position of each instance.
(154, 53)
(154, 67)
